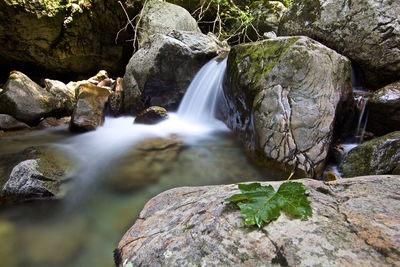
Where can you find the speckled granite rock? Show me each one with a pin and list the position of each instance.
(355, 223)
(285, 96)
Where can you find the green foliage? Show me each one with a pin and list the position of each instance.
(260, 205)
(235, 21)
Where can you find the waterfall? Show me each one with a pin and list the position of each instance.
(361, 96)
(362, 102)
(97, 150)
(198, 104)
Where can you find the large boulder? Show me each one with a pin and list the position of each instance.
(195, 226)
(161, 17)
(64, 37)
(366, 31)
(89, 110)
(43, 173)
(27, 101)
(284, 97)
(384, 110)
(377, 156)
(159, 73)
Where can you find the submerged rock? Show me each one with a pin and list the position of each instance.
(152, 115)
(42, 174)
(159, 73)
(194, 226)
(377, 156)
(89, 110)
(384, 110)
(366, 31)
(8, 123)
(284, 97)
(146, 163)
(27, 101)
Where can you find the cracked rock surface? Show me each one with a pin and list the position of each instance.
(366, 31)
(284, 96)
(355, 222)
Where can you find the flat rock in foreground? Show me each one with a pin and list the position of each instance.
(355, 222)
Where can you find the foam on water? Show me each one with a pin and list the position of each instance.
(96, 150)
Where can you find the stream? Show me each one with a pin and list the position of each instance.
(85, 227)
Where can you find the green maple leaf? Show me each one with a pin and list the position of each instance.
(260, 205)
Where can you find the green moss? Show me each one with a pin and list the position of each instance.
(263, 57)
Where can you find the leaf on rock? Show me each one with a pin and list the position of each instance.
(260, 205)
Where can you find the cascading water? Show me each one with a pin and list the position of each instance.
(84, 227)
(194, 120)
(199, 102)
(361, 96)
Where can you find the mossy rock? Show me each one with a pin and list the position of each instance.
(37, 172)
(152, 115)
(284, 97)
(384, 110)
(377, 156)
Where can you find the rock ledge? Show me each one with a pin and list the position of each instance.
(355, 223)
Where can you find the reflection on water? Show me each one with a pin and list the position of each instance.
(84, 228)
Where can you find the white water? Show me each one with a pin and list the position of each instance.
(199, 102)
(95, 151)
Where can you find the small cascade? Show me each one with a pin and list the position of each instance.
(362, 102)
(361, 97)
(198, 104)
(96, 151)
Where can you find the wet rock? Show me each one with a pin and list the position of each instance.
(116, 98)
(284, 98)
(162, 17)
(377, 156)
(53, 122)
(384, 110)
(146, 163)
(152, 115)
(89, 110)
(64, 37)
(65, 96)
(195, 226)
(8, 123)
(365, 31)
(42, 174)
(25, 100)
(159, 73)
